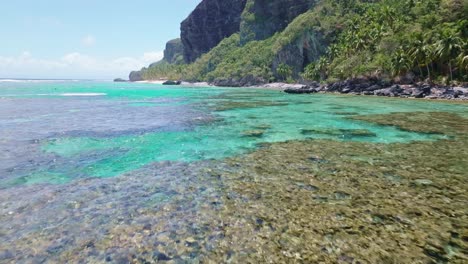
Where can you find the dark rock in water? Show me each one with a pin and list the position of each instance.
(208, 24)
(135, 76)
(172, 82)
(302, 90)
(120, 80)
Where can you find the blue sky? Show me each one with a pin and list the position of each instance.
(85, 38)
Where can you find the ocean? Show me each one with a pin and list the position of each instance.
(120, 172)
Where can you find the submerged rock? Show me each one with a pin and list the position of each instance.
(346, 133)
(253, 133)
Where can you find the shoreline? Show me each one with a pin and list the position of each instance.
(379, 88)
(350, 87)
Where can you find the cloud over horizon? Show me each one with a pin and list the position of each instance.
(25, 65)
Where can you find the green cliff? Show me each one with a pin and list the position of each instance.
(330, 40)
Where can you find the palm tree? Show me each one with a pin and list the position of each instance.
(401, 62)
(321, 67)
(448, 45)
(417, 51)
(423, 52)
(284, 71)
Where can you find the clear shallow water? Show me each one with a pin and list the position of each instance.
(109, 172)
(54, 132)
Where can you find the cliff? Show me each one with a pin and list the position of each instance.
(262, 18)
(135, 76)
(208, 24)
(247, 42)
(299, 45)
(174, 51)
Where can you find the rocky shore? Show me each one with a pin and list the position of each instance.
(358, 86)
(378, 87)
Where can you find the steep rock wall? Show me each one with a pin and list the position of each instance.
(307, 48)
(263, 18)
(174, 51)
(208, 24)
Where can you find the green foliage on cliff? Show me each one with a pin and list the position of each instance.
(426, 38)
(227, 60)
(387, 38)
(248, 17)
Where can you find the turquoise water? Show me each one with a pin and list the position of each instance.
(61, 131)
(101, 172)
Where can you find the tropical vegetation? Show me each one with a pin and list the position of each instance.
(423, 39)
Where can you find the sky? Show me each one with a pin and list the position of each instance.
(85, 39)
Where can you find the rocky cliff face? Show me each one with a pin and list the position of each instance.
(135, 76)
(262, 18)
(174, 51)
(298, 54)
(208, 24)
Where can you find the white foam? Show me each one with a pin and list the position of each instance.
(10, 80)
(34, 81)
(82, 94)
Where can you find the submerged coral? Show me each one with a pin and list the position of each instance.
(312, 201)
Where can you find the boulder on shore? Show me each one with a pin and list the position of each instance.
(381, 87)
(302, 90)
(170, 82)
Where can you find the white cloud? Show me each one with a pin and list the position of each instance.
(88, 41)
(73, 65)
(153, 56)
